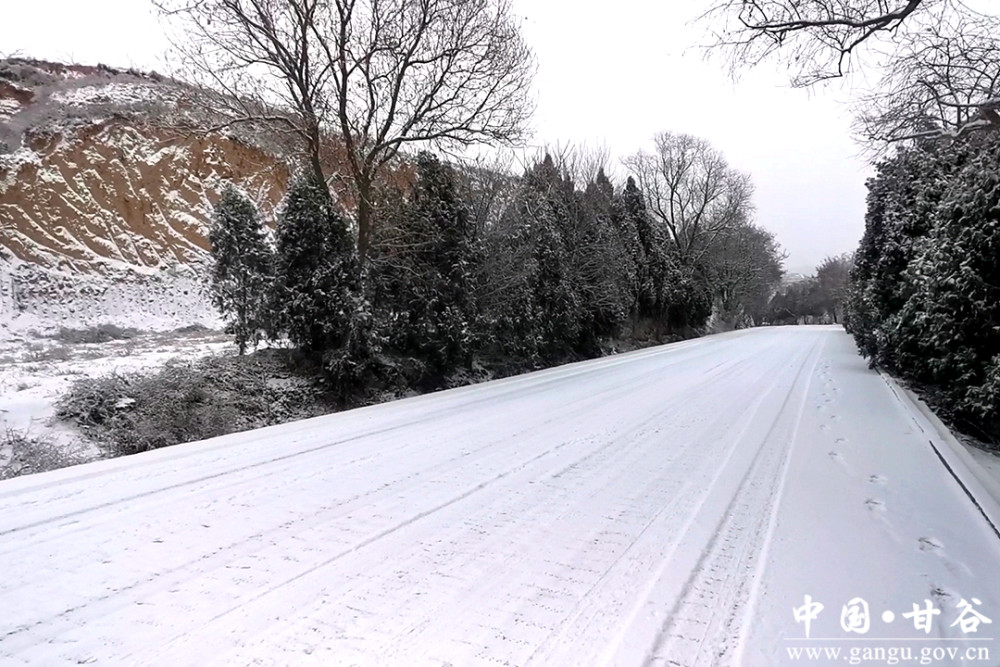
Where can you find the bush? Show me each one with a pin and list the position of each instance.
(102, 333)
(188, 401)
(24, 454)
(94, 401)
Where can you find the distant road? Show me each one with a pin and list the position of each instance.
(670, 506)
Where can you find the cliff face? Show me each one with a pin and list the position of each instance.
(107, 179)
(110, 170)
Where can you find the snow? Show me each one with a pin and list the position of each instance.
(12, 164)
(8, 108)
(668, 506)
(989, 461)
(37, 300)
(36, 372)
(112, 93)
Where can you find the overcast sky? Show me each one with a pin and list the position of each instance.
(609, 74)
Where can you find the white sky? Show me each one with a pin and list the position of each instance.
(609, 74)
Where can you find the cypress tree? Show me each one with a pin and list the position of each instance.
(423, 271)
(317, 276)
(241, 270)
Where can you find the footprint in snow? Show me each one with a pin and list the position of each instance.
(878, 479)
(840, 440)
(940, 595)
(836, 457)
(929, 544)
(875, 505)
(824, 427)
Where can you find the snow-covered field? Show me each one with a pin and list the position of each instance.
(36, 371)
(669, 506)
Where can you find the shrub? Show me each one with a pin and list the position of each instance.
(101, 333)
(23, 454)
(187, 401)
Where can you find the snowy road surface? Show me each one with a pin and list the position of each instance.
(669, 506)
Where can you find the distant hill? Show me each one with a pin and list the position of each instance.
(792, 278)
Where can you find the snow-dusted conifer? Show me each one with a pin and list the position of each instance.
(317, 278)
(544, 204)
(422, 271)
(241, 270)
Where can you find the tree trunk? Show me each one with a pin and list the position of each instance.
(365, 210)
(314, 151)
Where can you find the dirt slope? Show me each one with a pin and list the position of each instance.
(102, 168)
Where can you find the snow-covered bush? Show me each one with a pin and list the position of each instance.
(101, 333)
(22, 453)
(183, 402)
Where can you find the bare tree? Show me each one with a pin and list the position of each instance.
(488, 185)
(692, 191)
(939, 56)
(745, 267)
(816, 37)
(380, 74)
(945, 80)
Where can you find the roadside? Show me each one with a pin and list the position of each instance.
(35, 371)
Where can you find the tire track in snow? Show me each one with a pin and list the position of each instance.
(704, 626)
(630, 604)
(111, 600)
(392, 558)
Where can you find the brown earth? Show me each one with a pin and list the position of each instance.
(106, 168)
(138, 194)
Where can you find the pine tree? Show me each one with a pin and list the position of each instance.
(242, 263)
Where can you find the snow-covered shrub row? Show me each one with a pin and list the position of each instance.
(925, 293)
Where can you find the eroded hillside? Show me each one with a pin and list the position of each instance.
(107, 179)
(107, 169)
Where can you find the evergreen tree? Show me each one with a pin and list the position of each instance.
(544, 205)
(317, 278)
(603, 264)
(507, 313)
(948, 332)
(242, 263)
(422, 271)
(628, 210)
(923, 300)
(671, 296)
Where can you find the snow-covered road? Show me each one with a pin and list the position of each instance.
(668, 506)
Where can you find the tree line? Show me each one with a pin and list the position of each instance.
(924, 301)
(816, 299)
(469, 264)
